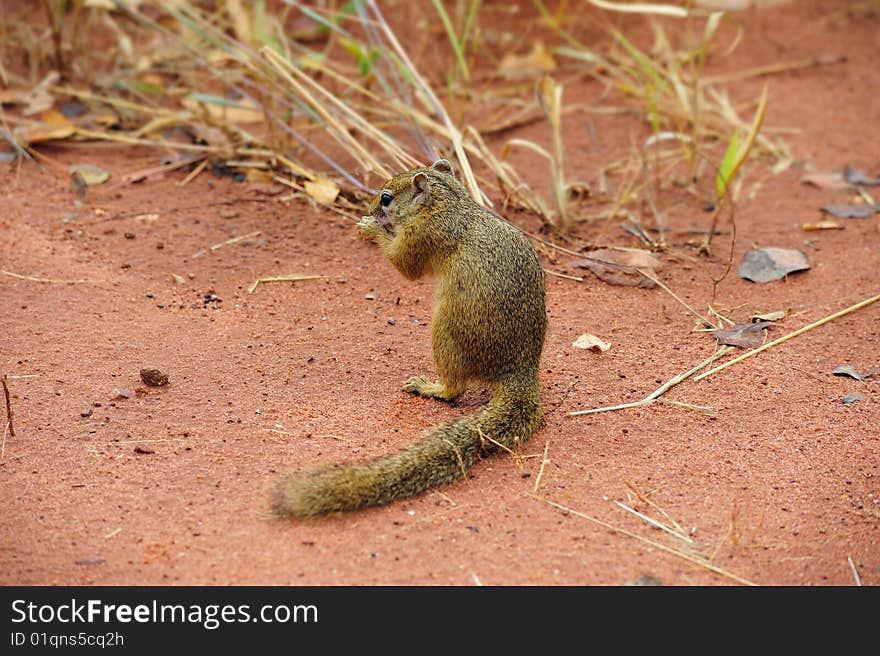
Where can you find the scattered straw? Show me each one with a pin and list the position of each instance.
(653, 396)
(700, 562)
(791, 335)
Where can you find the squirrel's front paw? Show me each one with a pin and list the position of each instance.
(369, 228)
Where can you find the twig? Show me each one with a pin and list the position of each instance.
(855, 572)
(784, 338)
(657, 545)
(544, 462)
(293, 277)
(672, 382)
(226, 243)
(50, 280)
(8, 411)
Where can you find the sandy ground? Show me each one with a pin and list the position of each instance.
(108, 481)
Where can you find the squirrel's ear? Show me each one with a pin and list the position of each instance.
(443, 166)
(420, 183)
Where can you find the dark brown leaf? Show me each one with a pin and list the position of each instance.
(851, 211)
(621, 267)
(768, 264)
(743, 335)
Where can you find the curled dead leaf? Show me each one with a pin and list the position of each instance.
(89, 174)
(322, 190)
(590, 342)
(850, 371)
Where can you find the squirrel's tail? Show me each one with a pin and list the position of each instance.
(445, 454)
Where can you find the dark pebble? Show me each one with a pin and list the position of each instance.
(154, 377)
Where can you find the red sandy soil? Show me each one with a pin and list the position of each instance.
(780, 486)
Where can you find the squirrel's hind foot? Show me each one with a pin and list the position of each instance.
(430, 390)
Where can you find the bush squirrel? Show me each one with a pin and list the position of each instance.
(488, 325)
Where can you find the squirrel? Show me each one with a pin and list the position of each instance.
(488, 325)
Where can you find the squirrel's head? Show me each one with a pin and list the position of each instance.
(403, 196)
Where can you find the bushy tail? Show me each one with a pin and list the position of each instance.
(445, 454)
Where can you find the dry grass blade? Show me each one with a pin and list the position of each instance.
(293, 277)
(48, 280)
(550, 100)
(641, 8)
(655, 523)
(232, 240)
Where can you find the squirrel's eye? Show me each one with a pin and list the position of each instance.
(385, 199)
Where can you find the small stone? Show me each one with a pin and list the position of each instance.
(391, 321)
(142, 449)
(372, 296)
(129, 235)
(154, 377)
(121, 393)
(855, 397)
(86, 413)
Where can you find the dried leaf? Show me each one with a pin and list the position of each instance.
(743, 335)
(590, 342)
(54, 125)
(768, 264)
(856, 177)
(322, 190)
(89, 174)
(769, 316)
(851, 211)
(829, 181)
(534, 64)
(621, 267)
(849, 370)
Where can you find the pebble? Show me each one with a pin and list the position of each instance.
(154, 377)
